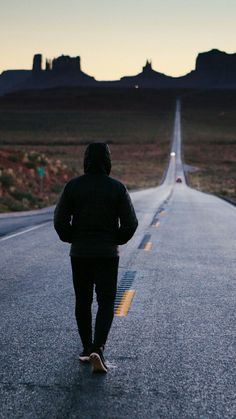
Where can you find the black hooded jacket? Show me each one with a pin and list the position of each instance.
(95, 213)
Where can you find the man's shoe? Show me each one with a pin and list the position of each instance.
(84, 356)
(97, 361)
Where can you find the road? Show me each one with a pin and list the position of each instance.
(17, 221)
(171, 356)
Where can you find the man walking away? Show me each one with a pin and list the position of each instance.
(95, 214)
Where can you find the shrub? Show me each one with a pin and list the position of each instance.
(7, 203)
(57, 188)
(30, 165)
(6, 180)
(33, 156)
(22, 196)
(14, 158)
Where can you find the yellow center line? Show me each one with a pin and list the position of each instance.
(148, 246)
(125, 303)
(157, 224)
(162, 212)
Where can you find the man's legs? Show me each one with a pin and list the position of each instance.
(83, 286)
(103, 272)
(106, 284)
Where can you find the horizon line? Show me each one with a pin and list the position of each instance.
(147, 61)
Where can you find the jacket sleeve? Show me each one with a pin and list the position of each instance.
(62, 217)
(127, 217)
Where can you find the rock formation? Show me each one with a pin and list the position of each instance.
(217, 66)
(37, 63)
(214, 69)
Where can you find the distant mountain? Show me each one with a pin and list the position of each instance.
(214, 69)
(62, 71)
(12, 80)
(147, 78)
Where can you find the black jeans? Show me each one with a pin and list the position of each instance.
(101, 272)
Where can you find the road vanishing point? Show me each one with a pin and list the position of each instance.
(171, 350)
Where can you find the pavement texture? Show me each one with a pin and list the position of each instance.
(172, 356)
(17, 221)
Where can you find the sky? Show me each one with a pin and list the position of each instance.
(114, 38)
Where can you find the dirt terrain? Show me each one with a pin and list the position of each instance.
(209, 141)
(51, 129)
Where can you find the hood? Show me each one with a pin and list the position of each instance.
(97, 159)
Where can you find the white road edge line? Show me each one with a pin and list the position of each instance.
(23, 232)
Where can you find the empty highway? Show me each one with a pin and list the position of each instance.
(171, 356)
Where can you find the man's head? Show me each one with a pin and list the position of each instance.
(97, 159)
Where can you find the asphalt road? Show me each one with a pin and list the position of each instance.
(15, 222)
(172, 356)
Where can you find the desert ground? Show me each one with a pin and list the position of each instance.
(51, 129)
(209, 141)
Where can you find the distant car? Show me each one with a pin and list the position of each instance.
(178, 180)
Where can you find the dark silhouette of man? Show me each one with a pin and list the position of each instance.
(95, 214)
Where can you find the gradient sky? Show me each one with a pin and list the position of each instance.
(114, 38)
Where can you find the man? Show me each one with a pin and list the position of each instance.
(95, 215)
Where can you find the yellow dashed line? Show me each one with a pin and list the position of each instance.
(123, 308)
(148, 246)
(157, 224)
(162, 213)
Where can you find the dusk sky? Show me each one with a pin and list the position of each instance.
(114, 38)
